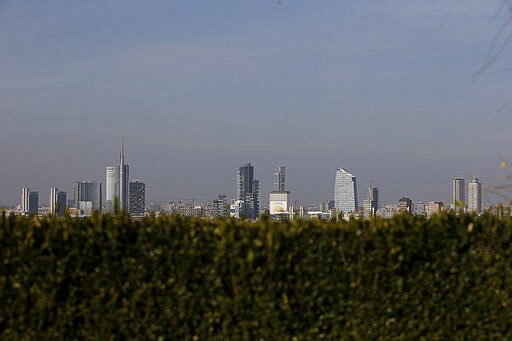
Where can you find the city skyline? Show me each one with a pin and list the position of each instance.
(391, 91)
(248, 189)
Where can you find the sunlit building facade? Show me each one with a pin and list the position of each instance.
(345, 192)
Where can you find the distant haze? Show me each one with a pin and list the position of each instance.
(197, 88)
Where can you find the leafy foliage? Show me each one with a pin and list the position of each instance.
(108, 277)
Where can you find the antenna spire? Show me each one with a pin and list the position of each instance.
(122, 152)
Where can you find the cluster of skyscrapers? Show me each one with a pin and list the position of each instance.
(121, 194)
(474, 202)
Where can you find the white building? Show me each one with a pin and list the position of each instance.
(475, 196)
(345, 192)
(58, 202)
(29, 201)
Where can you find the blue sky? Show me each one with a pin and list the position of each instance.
(384, 89)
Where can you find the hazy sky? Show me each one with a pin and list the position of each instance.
(382, 88)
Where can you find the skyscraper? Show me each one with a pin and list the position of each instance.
(279, 179)
(123, 181)
(57, 202)
(345, 192)
(248, 191)
(459, 198)
(220, 207)
(137, 198)
(33, 202)
(371, 203)
(25, 191)
(112, 188)
(117, 185)
(279, 197)
(87, 195)
(475, 196)
(29, 201)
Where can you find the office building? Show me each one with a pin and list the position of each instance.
(345, 192)
(29, 201)
(220, 207)
(279, 180)
(111, 188)
(58, 202)
(117, 185)
(87, 196)
(421, 208)
(405, 205)
(33, 202)
(123, 181)
(24, 199)
(371, 203)
(137, 198)
(475, 196)
(279, 198)
(326, 206)
(435, 207)
(459, 198)
(248, 192)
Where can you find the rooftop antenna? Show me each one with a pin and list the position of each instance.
(122, 151)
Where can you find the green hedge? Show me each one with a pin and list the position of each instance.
(176, 278)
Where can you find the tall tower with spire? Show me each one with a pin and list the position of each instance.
(123, 180)
(117, 182)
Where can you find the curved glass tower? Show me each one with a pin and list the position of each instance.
(345, 192)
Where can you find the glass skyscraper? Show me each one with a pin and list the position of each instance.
(87, 191)
(58, 202)
(248, 191)
(345, 192)
(117, 185)
(29, 201)
(459, 198)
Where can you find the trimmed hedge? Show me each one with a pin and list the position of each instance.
(186, 278)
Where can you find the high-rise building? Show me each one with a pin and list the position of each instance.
(220, 207)
(475, 196)
(53, 199)
(87, 195)
(61, 203)
(117, 185)
(405, 205)
(421, 208)
(33, 202)
(112, 188)
(25, 191)
(279, 197)
(345, 192)
(29, 201)
(137, 199)
(371, 203)
(248, 191)
(123, 181)
(279, 179)
(459, 198)
(58, 202)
